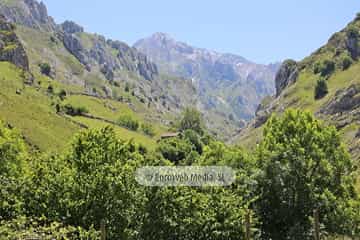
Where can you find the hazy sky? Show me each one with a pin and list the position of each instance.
(260, 30)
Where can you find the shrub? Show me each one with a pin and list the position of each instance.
(194, 138)
(127, 87)
(45, 69)
(62, 94)
(346, 62)
(325, 68)
(50, 89)
(321, 88)
(74, 111)
(328, 67)
(128, 122)
(40, 228)
(353, 32)
(148, 129)
(176, 150)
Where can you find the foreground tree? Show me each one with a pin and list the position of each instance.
(13, 157)
(304, 167)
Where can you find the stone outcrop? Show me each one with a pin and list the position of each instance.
(29, 13)
(138, 61)
(345, 100)
(71, 27)
(286, 75)
(73, 44)
(11, 49)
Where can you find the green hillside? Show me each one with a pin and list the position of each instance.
(337, 65)
(32, 110)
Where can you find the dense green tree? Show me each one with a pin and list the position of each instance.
(190, 213)
(12, 152)
(177, 150)
(103, 187)
(13, 156)
(304, 167)
(194, 139)
(192, 119)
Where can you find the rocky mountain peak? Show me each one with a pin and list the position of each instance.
(160, 36)
(225, 82)
(71, 27)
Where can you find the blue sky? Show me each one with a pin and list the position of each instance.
(260, 30)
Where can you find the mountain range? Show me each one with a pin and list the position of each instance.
(226, 83)
(226, 88)
(158, 77)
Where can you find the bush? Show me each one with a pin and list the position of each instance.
(12, 152)
(148, 129)
(176, 150)
(74, 111)
(321, 88)
(62, 94)
(50, 89)
(346, 62)
(353, 32)
(128, 122)
(325, 68)
(194, 138)
(40, 228)
(45, 69)
(127, 87)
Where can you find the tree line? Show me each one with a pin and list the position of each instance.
(300, 166)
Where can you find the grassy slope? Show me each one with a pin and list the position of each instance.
(301, 94)
(31, 112)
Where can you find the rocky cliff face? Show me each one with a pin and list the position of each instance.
(29, 13)
(286, 75)
(110, 55)
(11, 49)
(226, 83)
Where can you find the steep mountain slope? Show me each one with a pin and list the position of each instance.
(101, 67)
(50, 69)
(327, 83)
(227, 84)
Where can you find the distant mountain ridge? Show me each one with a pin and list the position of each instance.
(226, 88)
(226, 83)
